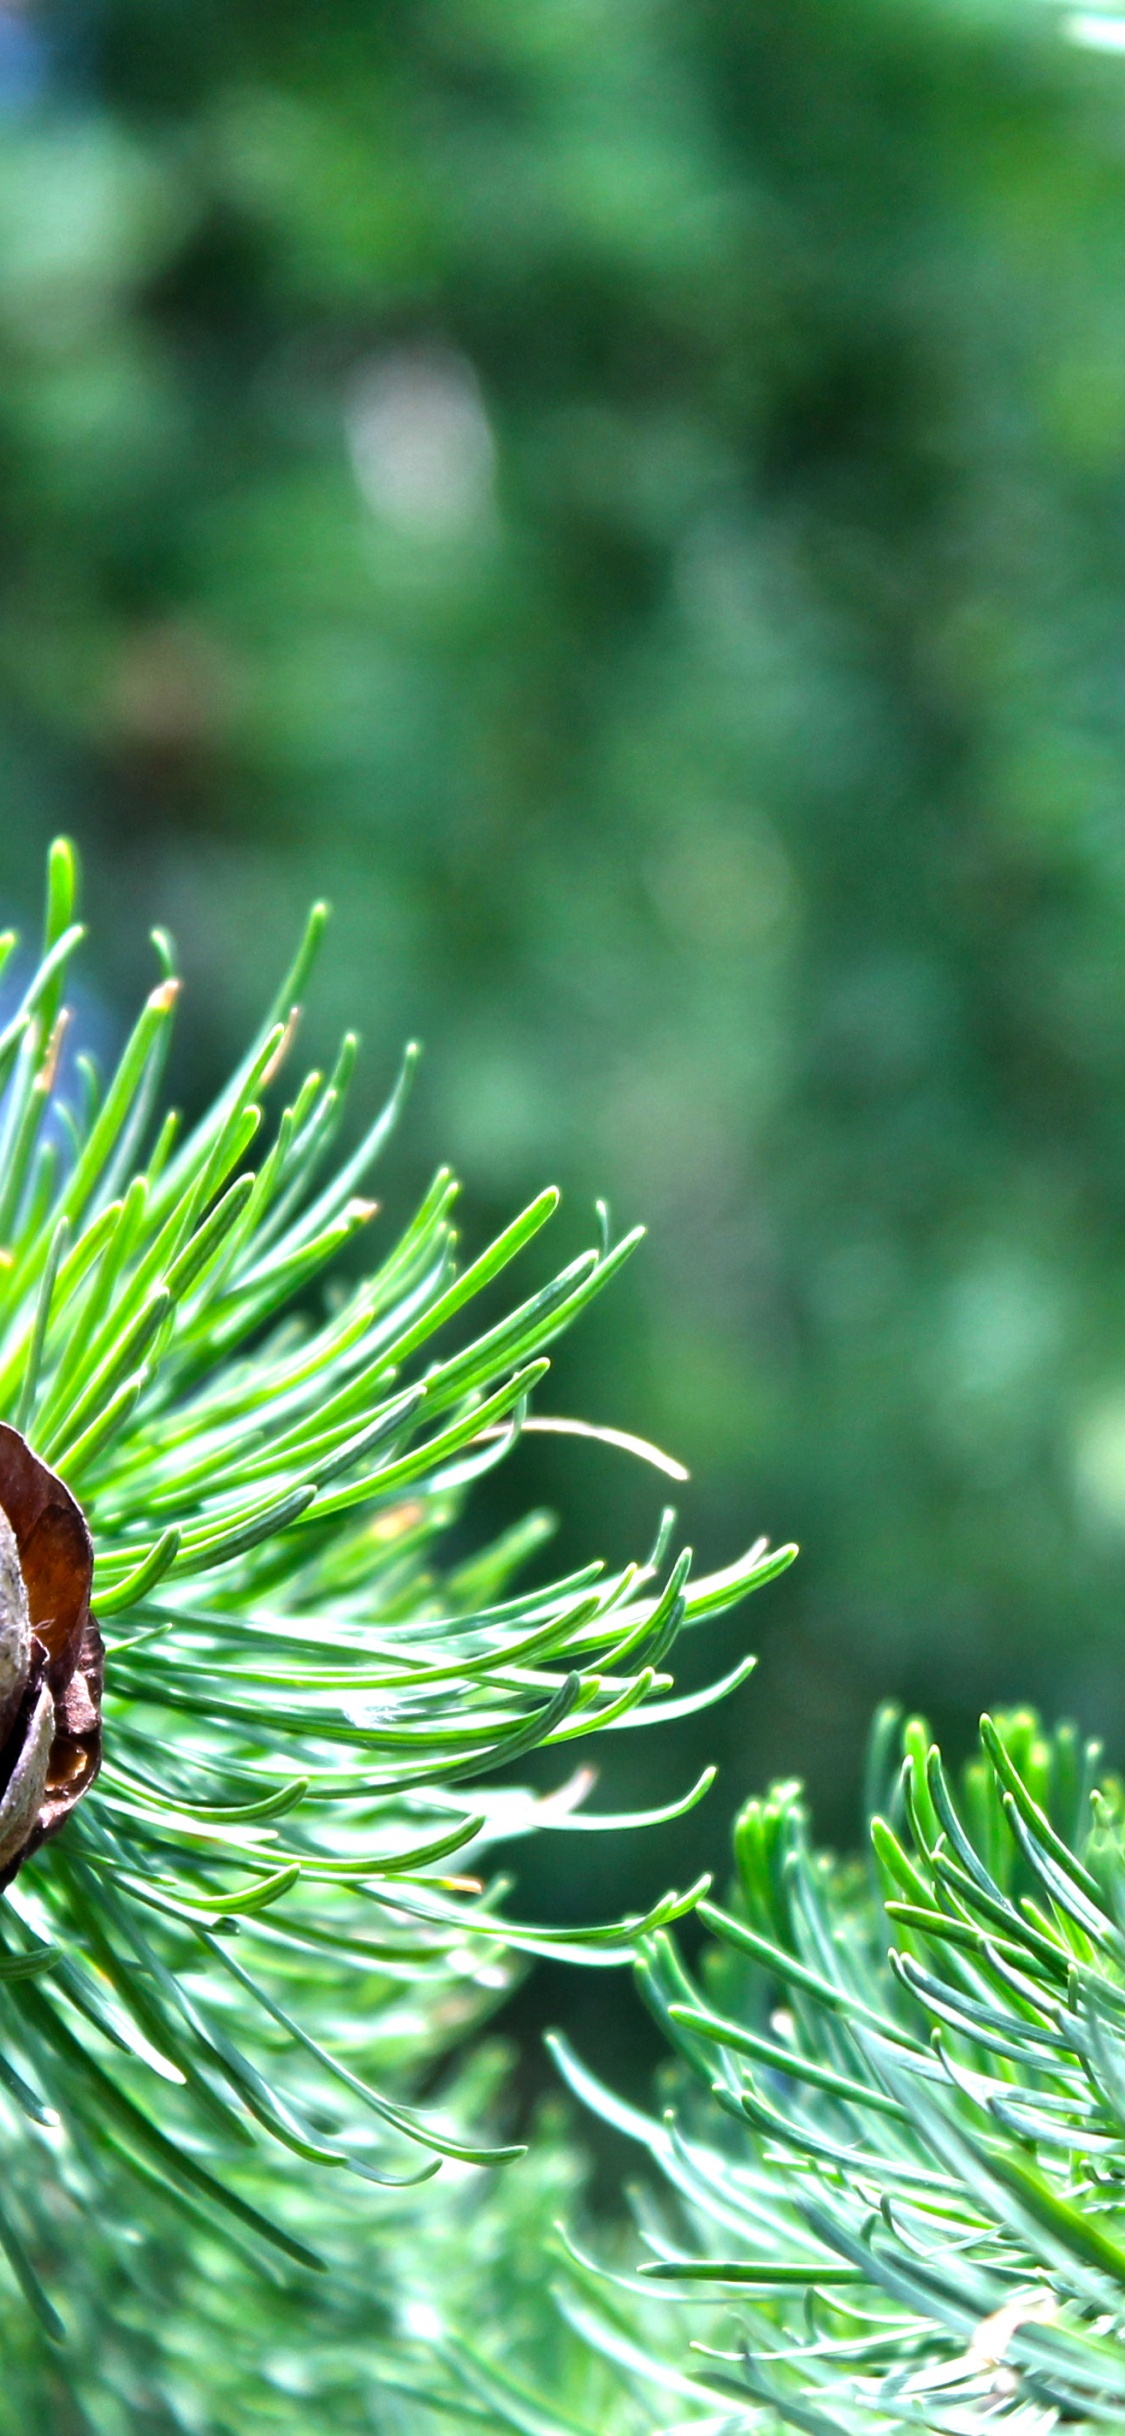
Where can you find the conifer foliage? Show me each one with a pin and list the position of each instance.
(896, 2151)
(267, 1911)
(244, 1909)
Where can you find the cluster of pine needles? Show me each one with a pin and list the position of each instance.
(275, 1907)
(884, 2185)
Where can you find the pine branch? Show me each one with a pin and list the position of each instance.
(895, 2160)
(299, 1708)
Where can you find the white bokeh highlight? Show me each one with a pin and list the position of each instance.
(421, 442)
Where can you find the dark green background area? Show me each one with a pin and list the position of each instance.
(630, 502)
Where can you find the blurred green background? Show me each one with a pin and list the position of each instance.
(629, 500)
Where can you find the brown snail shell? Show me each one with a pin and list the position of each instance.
(51, 1656)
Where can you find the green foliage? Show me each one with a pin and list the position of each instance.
(727, 780)
(894, 2152)
(890, 2151)
(251, 1914)
(170, 2333)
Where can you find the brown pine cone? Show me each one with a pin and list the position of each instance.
(51, 1656)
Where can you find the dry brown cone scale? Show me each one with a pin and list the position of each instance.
(51, 1655)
